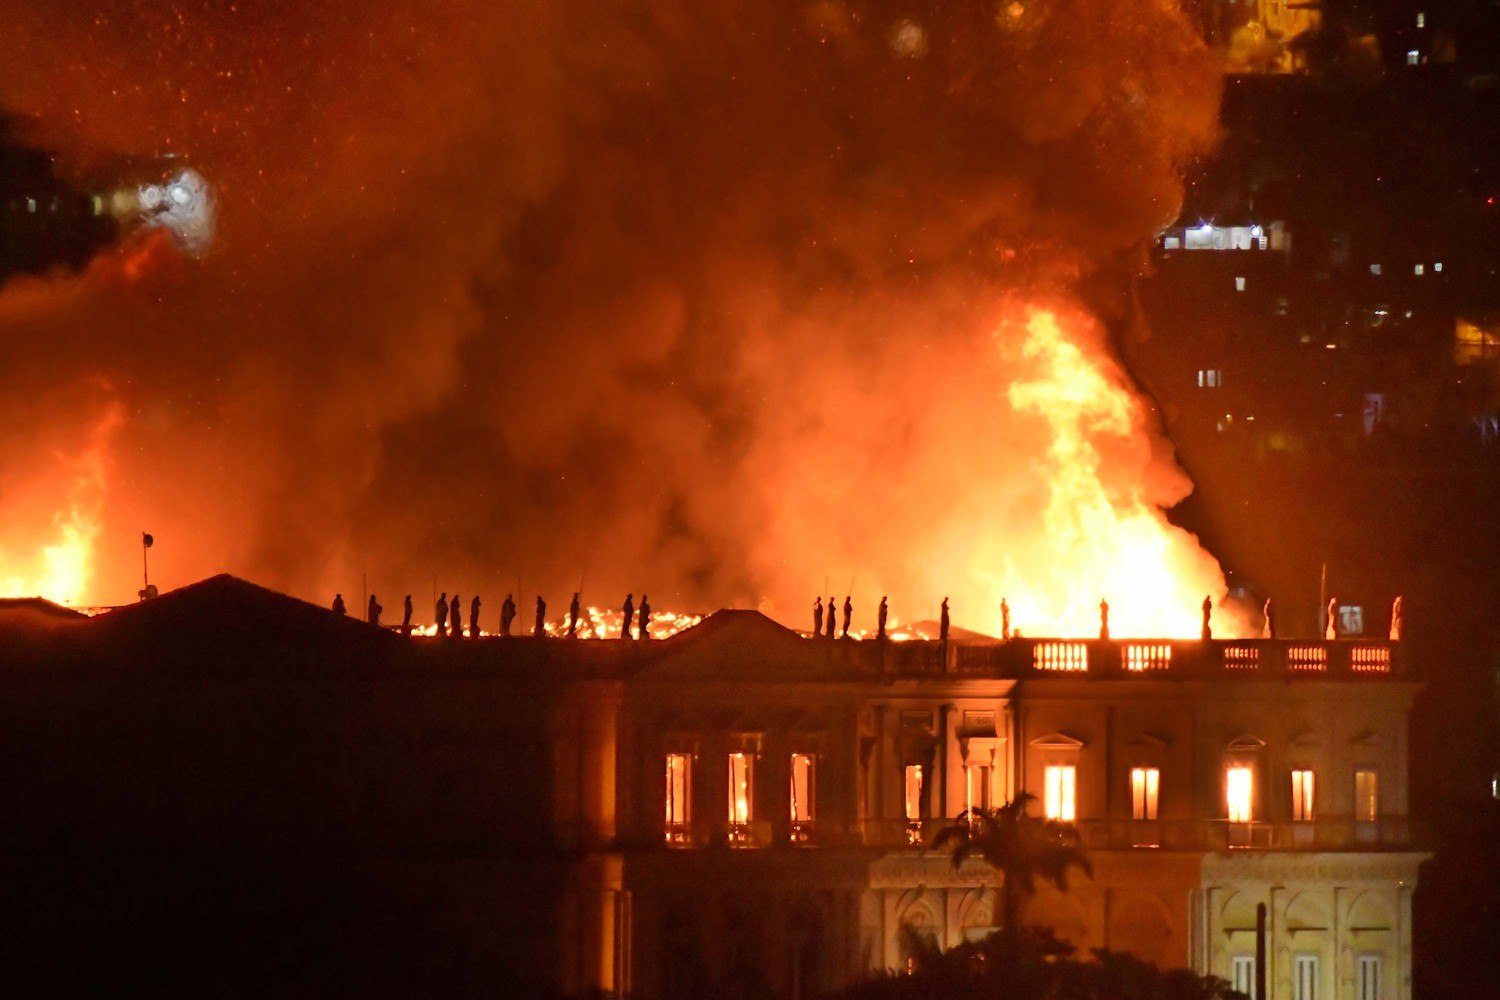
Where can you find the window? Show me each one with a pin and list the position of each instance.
(679, 797)
(1145, 782)
(1210, 378)
(979, 781)
(1237, 791)
(1421, 19)
(741, 766)
(1239, 284)
(1366, 796)
(803, 766)
(1413, 57)
(1305, 977)
(1242, 974)
(1061, 786)
(914, 808)
(1438, 266)
(1171, 243)
(1302, 796)
(1375, 270)
(1367, 977)
(1418, 269)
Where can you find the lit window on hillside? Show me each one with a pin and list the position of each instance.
(678, 797)
(1438, 266)
(1421, 19)
(1419, 269)
(1210, 378)
(1375, 270)
(1061, 792)
(1239, 284)
(1238, 787)
(1413, 57)
(1145, 784)
(802, 794)
(1302, 796)
(1366, 796)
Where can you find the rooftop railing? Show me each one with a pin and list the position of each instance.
(1343, 659)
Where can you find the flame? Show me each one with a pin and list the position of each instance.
(1100, 542)
(62, 564)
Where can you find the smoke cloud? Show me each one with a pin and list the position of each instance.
(717, 299)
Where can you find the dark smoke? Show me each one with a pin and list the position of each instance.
(694, 296)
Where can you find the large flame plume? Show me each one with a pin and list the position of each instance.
(735, 302)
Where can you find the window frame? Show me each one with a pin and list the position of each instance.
(1060, 796)
(1304, 792)
(1145, 800)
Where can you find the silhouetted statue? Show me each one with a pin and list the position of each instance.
(1396, 619)
(573, 610)
(645, 613)
(440, 612)
(1208, 613)
(818, 618)
(848, 614)
(540, 629)
(455, 619)
(1331, 630)
(507, 614)
(1268, 628)
(474, 618)
(338, 605)
(1004, 619)
(1103, 619)
(880, 618)
(406, 616)
(943, 621)
(372, 611)
(629, 614)
(832, 618)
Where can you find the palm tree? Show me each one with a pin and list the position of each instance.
(1020, 846)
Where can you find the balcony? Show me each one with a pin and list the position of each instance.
(1332, 834)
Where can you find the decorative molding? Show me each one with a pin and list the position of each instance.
(1057, 741)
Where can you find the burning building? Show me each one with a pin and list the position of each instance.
(259, 792)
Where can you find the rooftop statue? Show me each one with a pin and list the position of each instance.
(507, 614)
(880, 618)
(440, 613)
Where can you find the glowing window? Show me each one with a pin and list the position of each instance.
(1238, 785)
(1239, 284)
(1242, 974)
(1413, 57)
(678, 795)
(1305, 977)
(740, 767)
(1210, 378)
(1438, 266)
(1375, 270)
(1061, 788)
(1366, 796)
(802, 788)
(1145, 784)
(1419, 269)
(1367, 978)
(1421, 19)
(1302, 796)
(979, 779)
(913, 793)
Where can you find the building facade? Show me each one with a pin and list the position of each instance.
(736, 811)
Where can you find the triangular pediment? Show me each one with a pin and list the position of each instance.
(747, 645)
(1057, 741)
(1149, 741)
(1246, 741)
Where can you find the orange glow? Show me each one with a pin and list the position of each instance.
(53, 557)
(1099, 540)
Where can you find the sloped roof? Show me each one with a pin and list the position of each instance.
(37, 609)
(233, 620)
(746, 645)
